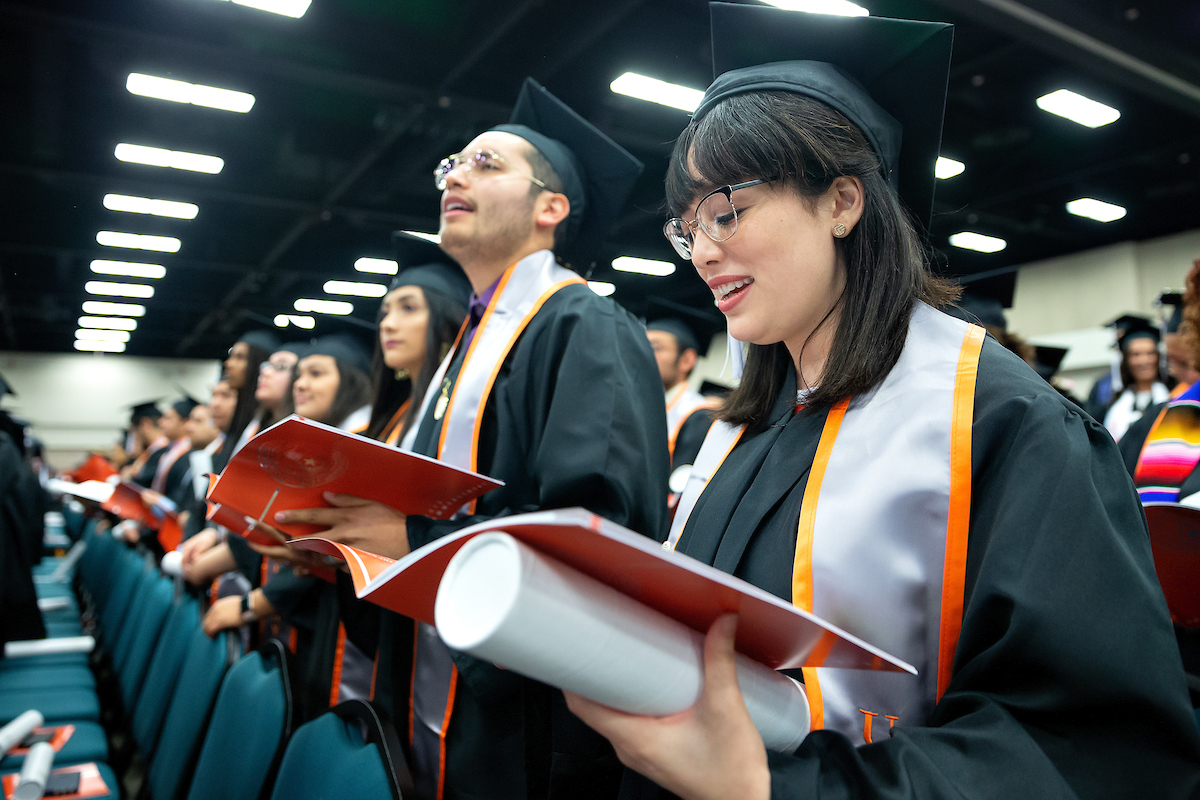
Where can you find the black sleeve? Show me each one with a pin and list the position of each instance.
(249, 563)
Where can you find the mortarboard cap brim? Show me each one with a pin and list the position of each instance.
(424, 264)
(144, 410)
(344, 348)
(885, 72)
(1048, 360)
(262, 339)
(683, 334)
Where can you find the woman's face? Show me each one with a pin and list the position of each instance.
(404, 317)
(779, 274)
(316, 387)
(222, 405)
(235, 365)
(274, 379)
(1142, 357)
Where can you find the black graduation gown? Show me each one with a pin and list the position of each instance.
(575, 418)
(20, 617)
(1067, 682)
(145, 476)
(691, 437)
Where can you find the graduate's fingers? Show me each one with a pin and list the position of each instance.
(313, 516)
(720, 662)
(276, 535)
(345, 500)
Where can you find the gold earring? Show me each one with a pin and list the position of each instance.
(401, 374)
(839, 230)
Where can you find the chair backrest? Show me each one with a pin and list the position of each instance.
(119, 643)
(250, 724)
(329, 757)
(203, 668)
(159, 686)
(156, 604)
(129, 569)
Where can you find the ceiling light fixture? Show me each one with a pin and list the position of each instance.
(977, 241)
(379, 266)
(1078, 108)
(947, 168)
(1096, 209)
(195, 93)
(115, 309)
(128, 269)
(138, 241)
(91, 345)
(175, 159)
(355, 288)
(94, 335)
(300, 321)
(145, 205)
(286, 8)
(841, 8)
(643, 266)
(602, 288)
(313, 306)
(429, 237)
(656, 91)
(119, 289)
(112, 323)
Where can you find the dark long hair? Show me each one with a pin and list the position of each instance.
(445, 318)
(353, 392)
(805, 145)
(246, 406)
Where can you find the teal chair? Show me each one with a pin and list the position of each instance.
(110, 780)
(138, 648)
(87, 743)
(250, 724)
(159, 685)
(329, 757)
(57, 704)
(175, 756)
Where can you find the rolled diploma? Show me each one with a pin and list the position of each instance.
(31, 784)
(49, 647)
(23, 725)
(504, 602)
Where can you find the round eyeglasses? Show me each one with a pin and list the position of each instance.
(715, 215)
(479, 162)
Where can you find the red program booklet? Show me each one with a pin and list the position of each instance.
(770, 630)
(293, 463)
(1175, 543)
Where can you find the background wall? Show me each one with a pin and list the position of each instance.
(81, 402)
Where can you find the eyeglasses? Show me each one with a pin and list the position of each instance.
(271, 366)
(480, 162)
(715, 215)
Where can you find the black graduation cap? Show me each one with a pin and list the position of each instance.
(424, 264)
(887, 76)
(1175, 301)
(183, 407)
(1139, 328)
(1048, 360)
(679, 329)
(6, 388)
(1127, 322)
(343, 347)
(979, 309)
(299, 348)
(597, 173)
(146, 410)
(262, 339)
(714, 389)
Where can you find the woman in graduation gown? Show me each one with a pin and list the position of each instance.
(892, 470)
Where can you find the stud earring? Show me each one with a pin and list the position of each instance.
(839, 230)
(401, 374)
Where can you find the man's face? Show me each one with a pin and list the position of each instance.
(199, 427)
(171, 424)
(147, 431)
(666, 353)
(222, 405)
(487, 216)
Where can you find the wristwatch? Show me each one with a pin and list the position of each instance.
(247, 610)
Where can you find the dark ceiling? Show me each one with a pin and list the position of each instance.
(359, 99)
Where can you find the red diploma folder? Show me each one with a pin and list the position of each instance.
(1175, 543)
(292, 463)
(770, 630)
(91, 783)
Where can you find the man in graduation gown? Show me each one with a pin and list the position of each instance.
(689, 413)
(574, 417)
(20, 538)
(143, 421)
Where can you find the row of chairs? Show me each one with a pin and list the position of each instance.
(176, 714)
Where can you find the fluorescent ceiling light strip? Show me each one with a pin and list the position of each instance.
(128, 269)
(174, 159)
(656, 91)
(299, 320)
(602, 288)
(969, 240)
(948, 168)
(1078, 108)
(643, 266)
(91, 334)
(99, 347)
(429, 237)
(314, 306)
(118, 309)
(1096, 209)
(286, 8)
(841, 8)
(195, 93)
(146, 205)
(112, 323)
(379, 266)
(138, 241)
(119, 289)
(355, 288)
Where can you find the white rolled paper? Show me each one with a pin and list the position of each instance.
(504, 602)
(49, 647)
(31, 783)
(53, 603)
(172, 564)
(15, 731)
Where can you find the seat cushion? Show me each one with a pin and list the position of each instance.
(55, 704)
(93, 770)
(74, 676)
(86, 743)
